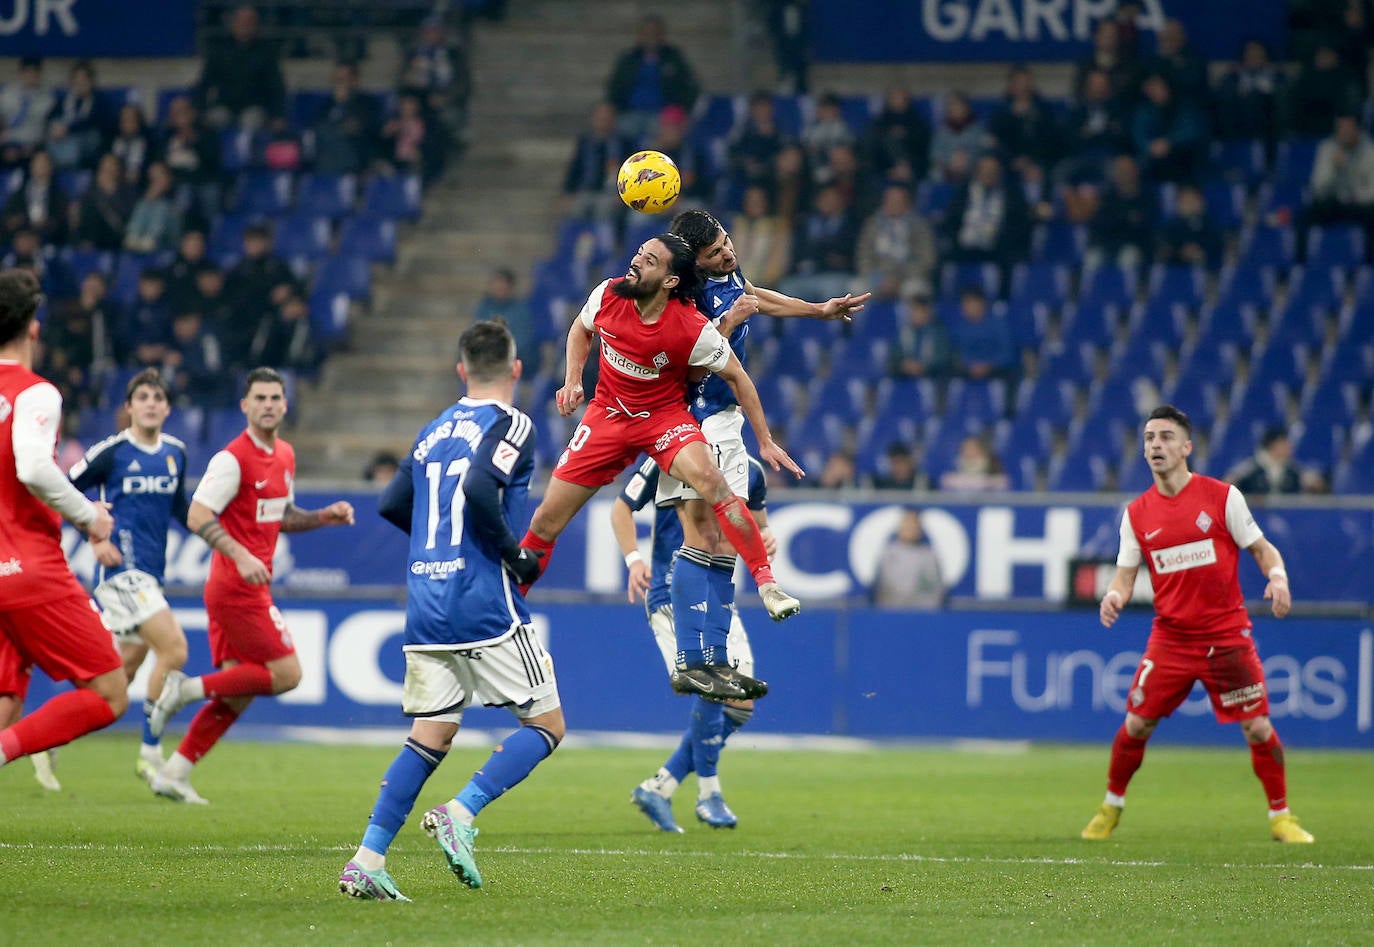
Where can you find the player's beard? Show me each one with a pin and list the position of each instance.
(638, 291)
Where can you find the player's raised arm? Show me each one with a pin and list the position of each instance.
(774, 303)
(748, 396)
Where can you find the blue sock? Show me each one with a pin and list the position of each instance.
(707, 731)
(691, 595)
(400, 786)
(512, 760)
(148, 738)
(680, 763)
(721, 577)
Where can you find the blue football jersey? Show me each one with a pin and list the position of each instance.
(712, 394)
(639, 491)
(459, 593)
(146, 487)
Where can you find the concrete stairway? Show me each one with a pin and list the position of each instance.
(537, 76)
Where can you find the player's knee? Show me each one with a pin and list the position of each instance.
(174, 656)
(1258, 730)
(286, 678)
(1139, 728)
(118, 701)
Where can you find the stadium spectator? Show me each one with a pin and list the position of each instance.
(147, 327)
(180, 275)
(76, 124)
(922, 348)
(982, 340)
(589, 182)
(754, 147)
(155, 223)
(436, 69)
(192, 153)
(1342, 184)
(908, 569)
(1097, 129)
(896, 249)
(1114, 58)
(648, 76)
(975, 469)
(897, 144)
(132, 144)
(24, 109)
(988, 220)
(762, 238)
(38, 204)
(958, 139)
(27, 253)
(839, 472)
(673, 139)
(1271, 469)
(79, 342)
(381, 468)
(234, 330)
(241, 80)
(1251, 97)
(1122, 230)
(1191, 236)
(285, 337)
(823, 248)
(1025, 129)
(409, 145)
(789, 28)
(192, 363)
(900, 470)
(826, 130)
(346, 128)
(1169, 132)
(103, 214)
(501, 301)
(254, 288)
(1324, 89)
(1180, 64)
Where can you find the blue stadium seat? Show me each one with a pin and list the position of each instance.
(305, 106)
(1059, 241)
(1233, 443)
(717, 116)
(1094, 324)
(859, 110)
(1079, 473)
(328, 316)
(1196, 395)
(1264, 401)
(1298, 323)
(1319, 445)
(163, 102)
(393, 197)
(1065, 360)
(839, 395)
(226, 234)
(1225, 204)
(1241, 160)
(1349, 362)
(1177, 284)
(1158, 320)
(372, 239)
(1248, 284)
(880, 319)
(1341, 246)
(264, 193)
(1293, 163)
(1133, 476)
(351, 276)
(1266, 246)
(124, 286)
(981, 402)
(1332, 401)
(790, 114)
(1048, 397)
(1108, 285)
(933, 197)
(1316, 287)
(956, 277)
(327, 195)
(862, 359)
(82, 261)
(73, 182)
(236, 149)
(1028, 321)
(1040, 282)
(302, 236)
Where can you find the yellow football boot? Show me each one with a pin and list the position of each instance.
(1103, 821)
(1285, 828)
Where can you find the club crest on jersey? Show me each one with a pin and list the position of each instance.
(1204, 522)
(660, 360)
(171, 465)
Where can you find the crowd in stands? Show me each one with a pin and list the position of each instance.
(223, 226)
(1044, 269)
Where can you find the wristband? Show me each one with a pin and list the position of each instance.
(1278, 572)
(632, 558)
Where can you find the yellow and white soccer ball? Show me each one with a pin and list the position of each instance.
(649, 182)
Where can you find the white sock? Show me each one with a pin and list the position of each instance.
(177, 767)
(1114, 800)
(662, 783)
(707, 786)
(153, 753)
(1278, 812)
(369, 859)
(192, 689)
(459, 812)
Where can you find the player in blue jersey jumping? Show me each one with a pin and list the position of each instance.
(467, 635)
(141, 472)
(706, 563)
(712, 722)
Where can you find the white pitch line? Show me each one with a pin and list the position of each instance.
(672, 853)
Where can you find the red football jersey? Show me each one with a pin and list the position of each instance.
(644, 365)
(33, 569)
(253, 516)
(1192, 543)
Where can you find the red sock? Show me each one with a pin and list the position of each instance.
(1267, 759)
(1127, 754)
(241, 680)
(542, 546)
(61, 720)
(207, 726)
(739, 527)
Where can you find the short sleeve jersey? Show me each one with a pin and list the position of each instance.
(1192, 542)
(33, 569)
(249, 488)
(459, 593)
(644, 366)
(146, 487)
(712, 394)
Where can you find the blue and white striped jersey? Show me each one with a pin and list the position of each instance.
(712, 395)
(459, 593)
(146, 487)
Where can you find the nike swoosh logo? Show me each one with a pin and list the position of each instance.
(1246, 708)
(259, 484)
(1153, 533)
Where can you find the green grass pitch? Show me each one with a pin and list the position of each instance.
(888, 846)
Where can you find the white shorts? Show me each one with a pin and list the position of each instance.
(128, 600)
(736, 645)
(516, 673)
(724, 431)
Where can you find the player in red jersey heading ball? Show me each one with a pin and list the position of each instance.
(1190, 529)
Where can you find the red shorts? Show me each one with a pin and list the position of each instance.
(244, 627)
(14, 671)
(608, 440)
(65, 637)
(1233, 676)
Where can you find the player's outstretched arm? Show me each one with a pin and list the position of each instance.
(203, 521)
(1271, 564)
(1117, 595)
(774, 303)
(748, 396)
(297, 520)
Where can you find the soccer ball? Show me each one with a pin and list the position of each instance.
(648, 182)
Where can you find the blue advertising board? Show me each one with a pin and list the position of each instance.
(97, 28)
(1021, 30)
(1000, 675)
(830, 547)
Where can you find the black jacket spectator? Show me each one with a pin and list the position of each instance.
(754, 149)
(897, 144)
(347, 127)
(827, 236)
(190, 151)
(1025, 128)
(1325, 88)
(105, 208)
(38, 204)
(597, 154)
(1251, 96)
(988, 220)
(79, 342)
(1190, 236)
(1113, 57)
(652, 74)
(243, 73)
(1180, 64)
(1169, 131)
(1123, 230)
(132, 145)
(1098, 128)
(77, 123)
